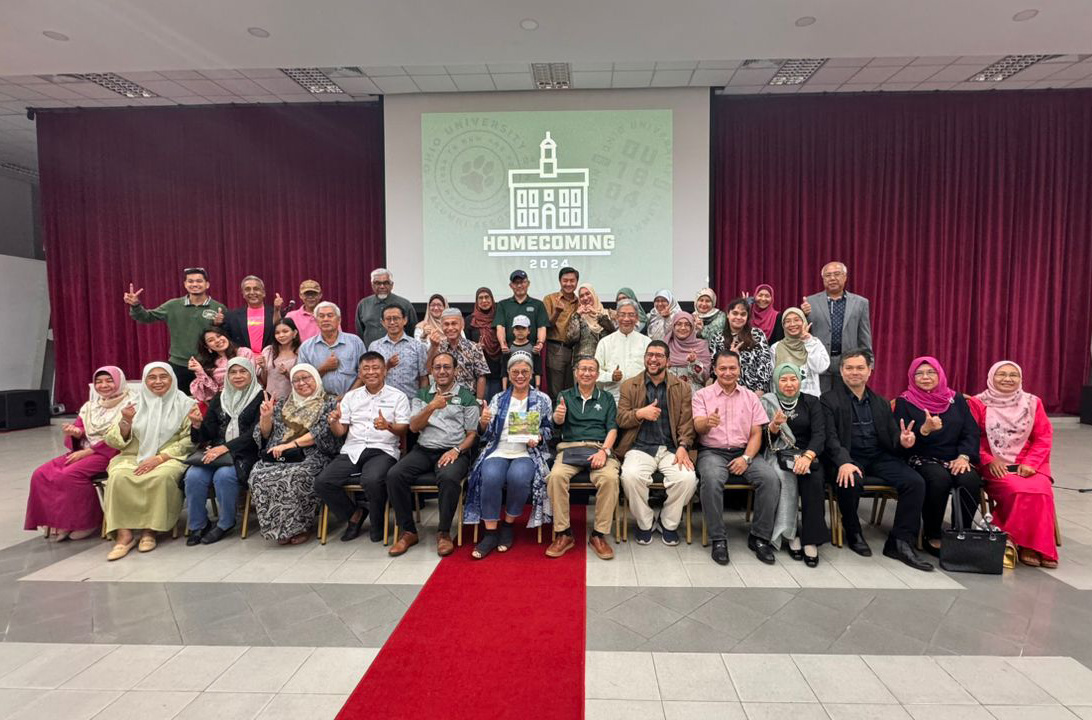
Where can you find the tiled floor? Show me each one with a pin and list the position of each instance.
(249, 629)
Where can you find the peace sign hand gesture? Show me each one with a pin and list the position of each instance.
(266, 410)
(806, 335)
(133, 296)
(906, 434)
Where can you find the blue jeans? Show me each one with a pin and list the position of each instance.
(198, 481)
(518, 474)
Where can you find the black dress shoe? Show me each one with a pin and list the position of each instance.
(194, 538)
(796, 555)
(934, 551)
(763, 549)
(858, 545)
(905, 552)
(720, 552)
(352, 530)
(216, 534)
(811, 561)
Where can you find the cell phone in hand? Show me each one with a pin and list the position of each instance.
(1012, 468)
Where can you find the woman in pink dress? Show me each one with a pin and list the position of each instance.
(61, 494)
(214, 349)
(1015, 463)
(279, 359)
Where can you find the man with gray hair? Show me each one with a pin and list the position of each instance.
(369, 311)
(470, 365)
(621, 354)
(333, 352)
(839, 319)
(251, 326)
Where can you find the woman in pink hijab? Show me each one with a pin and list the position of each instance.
(764, 315)
(1015, 462)
(62, 497)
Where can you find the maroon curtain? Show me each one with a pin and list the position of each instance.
(284, 193)
(965, 218)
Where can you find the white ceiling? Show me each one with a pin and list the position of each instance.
(478, 45)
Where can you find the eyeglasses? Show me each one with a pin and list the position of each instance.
(837, 274)
(382, 282)
(1008, 376)
(303, 380)
(926, 373)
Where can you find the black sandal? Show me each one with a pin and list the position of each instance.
(485, 546)
(796, 555)
(507, 537)
(809, 560)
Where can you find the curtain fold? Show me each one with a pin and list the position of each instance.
(966, 219)
(135, 195)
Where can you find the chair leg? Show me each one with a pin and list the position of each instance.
(386, 522)
(476, 525)
(875, 507)
(689, 521)
(417, 507)
(704, 530)
(47, 529)
(215, 507)
(246, 514)
(324, 517)
(883, 509)
(625, 518)
(459, 520)
(750, 504)
(103, 527)
(539, 534)
(1057, 531)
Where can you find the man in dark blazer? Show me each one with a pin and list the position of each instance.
(236, 322)
(863, 440)
(826, 308)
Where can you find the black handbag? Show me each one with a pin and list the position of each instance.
(197, 459)
(969, 550)
(786, 460)
(292, 455)
(578, 456)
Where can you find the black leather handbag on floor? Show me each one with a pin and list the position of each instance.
(969, 550)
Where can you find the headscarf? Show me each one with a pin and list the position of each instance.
(786, 369)
(300, 412)
(430, 324)
(234, 401)
(483, 321)
(791, 349)
(158, 418)
(659, 326)
(680, 349)
(642, 316)
(1009, 416)
(99, 413)
(934, 401)
(764, 320)
(708, 292)
(592, 318)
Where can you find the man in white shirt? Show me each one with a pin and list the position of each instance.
(621, 354)
(372, 419)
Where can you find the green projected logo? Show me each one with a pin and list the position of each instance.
(543, 190)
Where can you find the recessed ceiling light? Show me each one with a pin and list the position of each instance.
(805, 21)
(118, 84)
(529, 24)
(54, 35)
(258, 32)
(1006, 67)
(1025, 15)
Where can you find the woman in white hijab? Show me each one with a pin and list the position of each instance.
(664, 307)
(153, 435)
(226, 452)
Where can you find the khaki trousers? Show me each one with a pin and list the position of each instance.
(679, 482)
(605, 480)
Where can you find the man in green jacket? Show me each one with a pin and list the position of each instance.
(187, 318)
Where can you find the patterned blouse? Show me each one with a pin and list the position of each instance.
(712, 331)
(756, 365)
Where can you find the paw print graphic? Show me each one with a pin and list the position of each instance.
(477, 174)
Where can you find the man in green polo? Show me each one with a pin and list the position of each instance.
(187, 317)
(521, 304)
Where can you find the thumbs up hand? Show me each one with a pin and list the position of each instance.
(932, 423)
(617, 375)
(714, 419)
(218, 319)
(651, 412)
(278, 301)
(806, 307)
(381, 423)
(560, 411)
(487, 415)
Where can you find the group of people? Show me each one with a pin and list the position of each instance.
(294, 408)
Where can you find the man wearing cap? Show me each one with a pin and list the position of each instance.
(405, 356)
(521, 343)
(251, 326)
(369, 311)
(560, 307)
(521, 304)
(304, 317)
(470, 365)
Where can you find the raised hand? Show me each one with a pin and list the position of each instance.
(487, 415)
(906, 434)
(650, 412)
(713, 420)
(806, 307)
(218, 318)
(380, 422)
(698, 324)
(133, 296)
(736, 342)
(806, 335)
(195, 416)
(393, 360)
(560, 411)
(71, 430)
(435, 337)
(193, 365)
(932, 423)
(128, 412)
(329, 364)
(779, 418)
(438, 402)
(691, 358)
(616, 376)
(259, 362)
(278, 301)
(268, 403)
(335, 416)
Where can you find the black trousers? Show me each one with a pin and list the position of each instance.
(939, 483)
(372, 466)
(184, 375)
(885, 469)
(813, 511)
(449, 478)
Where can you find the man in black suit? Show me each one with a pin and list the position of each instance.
(251, 326)
(863, 439)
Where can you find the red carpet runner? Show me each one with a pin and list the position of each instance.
(496, 638)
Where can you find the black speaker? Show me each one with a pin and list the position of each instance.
(1086, 405)
(20, 409)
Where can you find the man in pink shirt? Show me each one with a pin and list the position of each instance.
(729, 420)
(251, 326)
(304, 317)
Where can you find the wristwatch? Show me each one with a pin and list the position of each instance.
(608, 451)
(747, 458)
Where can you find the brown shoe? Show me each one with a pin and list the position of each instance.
(444, 546)
(562, 544)
(404, 543)
(1029, 557)
(601, 547)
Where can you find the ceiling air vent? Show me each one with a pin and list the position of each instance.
(313, 80)
(552, 76)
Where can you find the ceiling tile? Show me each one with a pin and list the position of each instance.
(13, 107)
(591, 79)
(828, 75)
(936, 60)
(91, 90)
(181, 75)
(982, 60)
(467, 69)
(898, 86)
(808, 88)
(513, 81)
(932, 85)
(384, 70)
(719, 64)
(1086, 82)
(1014, 85)
(954, 73)
(1039, 71)
(297, 97)
(221, 99)
(1048, 83)
(742, 90)
(357, 86)
(631, 78)
(671, 78)
(781, 89)
(207, 88)
(634, 65)
(710, 77)
(1076, 71)
(913, 74)
(244, 86)
(872, 75)
(25, 79)
(425, 69)
(191, 100)
(474, 83)
(677, 65)
(167, 88)
(393, 85)
(23, 92)
(592, 66)
(64, 92)
(847, 62)
(263, 99)
(856, 88)
(750, 76)
(154, 101)
(434, 83)
(975, 86)
(221, 74)
(258, 73)
(515, 67)
(890, 61)
(142, 77)
(279, 86)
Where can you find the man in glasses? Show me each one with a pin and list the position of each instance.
(839, 319)
(369, 311)
(187, 317)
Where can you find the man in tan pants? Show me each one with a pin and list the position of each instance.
(586, 419)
